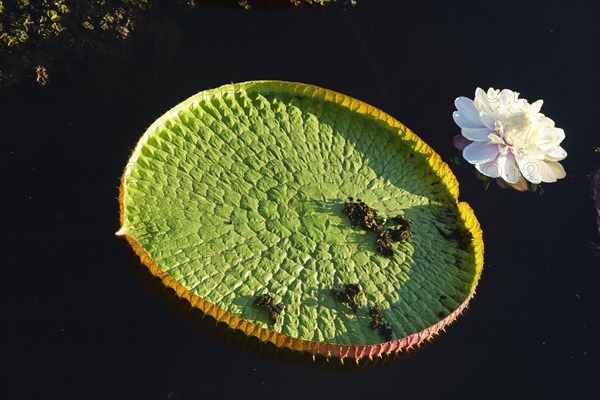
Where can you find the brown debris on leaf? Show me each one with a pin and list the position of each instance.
(384, 243)
(379, 323)
(349, 296)
(365, 216)
(266, 302)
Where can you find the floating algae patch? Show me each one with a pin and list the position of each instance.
(238, 199)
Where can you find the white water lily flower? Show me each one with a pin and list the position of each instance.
(506, 137)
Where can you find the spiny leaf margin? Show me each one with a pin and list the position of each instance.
(418, 146)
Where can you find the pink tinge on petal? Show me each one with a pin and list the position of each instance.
(460, 142)
(479, 152)
(509, 170)
(504, 166)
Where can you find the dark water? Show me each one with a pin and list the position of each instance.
(77, 322)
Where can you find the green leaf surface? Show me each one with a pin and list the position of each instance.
(239, 191)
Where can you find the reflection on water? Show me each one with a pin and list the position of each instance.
(53, 36)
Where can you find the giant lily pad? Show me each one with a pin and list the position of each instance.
(239, 191)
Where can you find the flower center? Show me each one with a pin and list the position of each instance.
(514, 123)
(513, 132)
(503, 147)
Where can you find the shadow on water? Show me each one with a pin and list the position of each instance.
(224, 333)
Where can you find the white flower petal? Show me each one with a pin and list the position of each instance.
(550, 138)
(536, 106)
(488, 120)
(465, 107)
(482, 103)
(503, 166)
(529, 171)
(557, 169)
(477, 134)
(507, 96)
(478, 152)
(489, 168)
(465, 122)
(507, 164)
(492, 95)
(556, 154)
(544, 122)
(479, 92)
(546, 173)
(536, 171)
